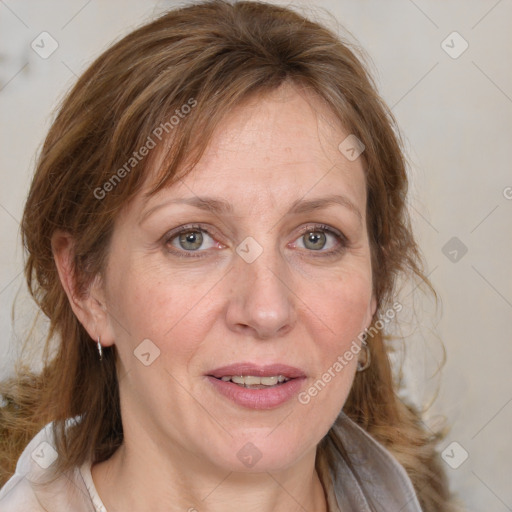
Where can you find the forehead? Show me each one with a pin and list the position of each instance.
(274, 148)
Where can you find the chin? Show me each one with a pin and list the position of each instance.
(256, 454)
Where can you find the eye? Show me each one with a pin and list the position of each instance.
(315, 238)
(189, 239)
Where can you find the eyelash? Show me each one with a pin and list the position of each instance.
(343, 242)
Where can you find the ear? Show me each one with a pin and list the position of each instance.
(90, 309)
(372, 307)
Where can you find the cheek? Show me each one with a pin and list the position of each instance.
(151, 304)
(344, 305)
(343, 308)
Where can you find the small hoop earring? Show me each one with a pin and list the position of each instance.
(100, 350)
(361, 367)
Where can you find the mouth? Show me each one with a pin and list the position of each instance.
(253, 374)
(257, 387)
(255, 382)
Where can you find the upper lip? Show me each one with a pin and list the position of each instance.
(245, 369)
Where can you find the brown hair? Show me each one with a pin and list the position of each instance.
(213, 55)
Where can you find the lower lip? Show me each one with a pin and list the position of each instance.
(258, 398)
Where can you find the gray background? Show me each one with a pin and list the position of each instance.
(456, 116)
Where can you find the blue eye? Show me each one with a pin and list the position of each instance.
(315, 240)
(316, 237)
(189, 241)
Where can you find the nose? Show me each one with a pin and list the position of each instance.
(262, 302)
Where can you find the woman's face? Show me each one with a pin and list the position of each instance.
(259, 281)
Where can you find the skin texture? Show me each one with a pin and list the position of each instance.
(293, 305)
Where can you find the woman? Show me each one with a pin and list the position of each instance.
(214, 230)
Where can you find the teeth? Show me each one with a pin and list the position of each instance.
(251, 380)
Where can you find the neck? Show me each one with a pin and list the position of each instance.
(146, 480)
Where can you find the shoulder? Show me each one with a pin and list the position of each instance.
(32, 488)
(375, 476)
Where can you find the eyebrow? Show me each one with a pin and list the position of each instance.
(220, 206)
